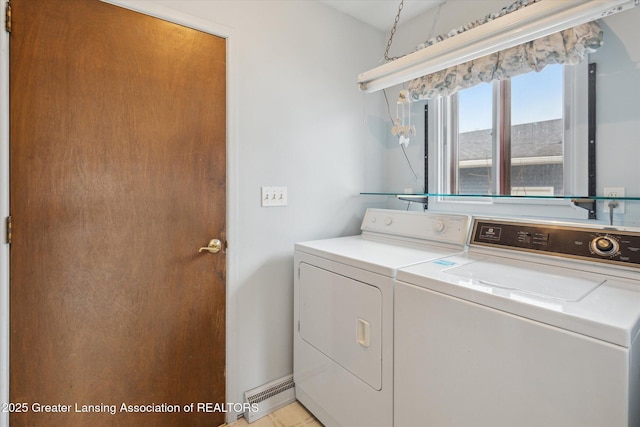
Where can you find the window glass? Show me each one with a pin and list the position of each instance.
(537, 133)
(530, 108)
(475, 141)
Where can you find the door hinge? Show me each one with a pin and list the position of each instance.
(7, 18)
(9, 226)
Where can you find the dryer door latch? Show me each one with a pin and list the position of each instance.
(363, 333)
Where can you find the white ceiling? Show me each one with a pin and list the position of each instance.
(381, 13)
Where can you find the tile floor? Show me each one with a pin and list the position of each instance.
(292, 415)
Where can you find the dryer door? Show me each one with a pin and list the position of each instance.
(342, 318)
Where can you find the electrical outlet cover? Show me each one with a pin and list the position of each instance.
(613, 192)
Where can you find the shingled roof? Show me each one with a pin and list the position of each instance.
(539, 139)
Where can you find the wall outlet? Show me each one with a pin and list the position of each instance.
(613, 192)
(273, 196)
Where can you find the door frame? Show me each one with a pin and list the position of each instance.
(187, 20)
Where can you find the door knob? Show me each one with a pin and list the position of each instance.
(213, 247)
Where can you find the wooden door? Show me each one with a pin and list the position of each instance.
(117, 179)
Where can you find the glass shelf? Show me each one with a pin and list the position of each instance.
(501, 196)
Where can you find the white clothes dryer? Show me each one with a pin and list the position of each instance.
(343, 311)
(536, 325)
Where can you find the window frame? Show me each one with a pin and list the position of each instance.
(442, 129)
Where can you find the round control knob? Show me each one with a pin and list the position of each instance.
(438, 226)
(388, 221)
(604, 245)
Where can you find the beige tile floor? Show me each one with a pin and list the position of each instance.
(292, 415)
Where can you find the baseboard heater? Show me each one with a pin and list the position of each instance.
(269, 397)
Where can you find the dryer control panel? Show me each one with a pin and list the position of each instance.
(435, 227)
(594, 244)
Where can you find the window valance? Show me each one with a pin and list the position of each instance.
(570, 47)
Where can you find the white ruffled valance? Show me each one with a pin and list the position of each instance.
(566, 47)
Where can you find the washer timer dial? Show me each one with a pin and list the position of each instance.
(605, 245)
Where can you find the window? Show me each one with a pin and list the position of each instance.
(507, 137)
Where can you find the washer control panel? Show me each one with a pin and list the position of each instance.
(595, 244)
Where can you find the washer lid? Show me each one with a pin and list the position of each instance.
(588, 303)
(556, 286)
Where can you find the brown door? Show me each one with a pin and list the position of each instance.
(117, 179)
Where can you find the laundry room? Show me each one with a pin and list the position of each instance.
(330, 132)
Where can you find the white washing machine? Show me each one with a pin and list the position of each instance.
(536, 325)
(343, 311)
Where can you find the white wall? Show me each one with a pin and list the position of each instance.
(618, 111)
(298, 120)
(618, 92)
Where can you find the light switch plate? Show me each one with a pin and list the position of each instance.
(273, 196)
